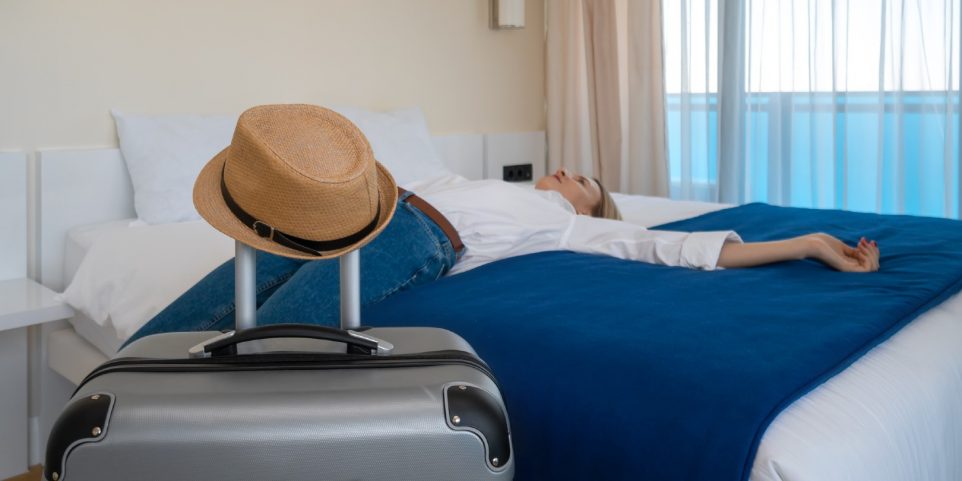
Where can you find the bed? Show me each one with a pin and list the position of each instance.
(625, 370)
(890, 415)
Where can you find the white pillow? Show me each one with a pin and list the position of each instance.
(164, 154)
(129, 275)
(400, 140)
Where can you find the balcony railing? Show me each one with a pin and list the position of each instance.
(894, 152)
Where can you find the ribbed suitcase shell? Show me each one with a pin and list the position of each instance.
(268, 423)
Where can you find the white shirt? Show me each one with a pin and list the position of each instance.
(497, 220)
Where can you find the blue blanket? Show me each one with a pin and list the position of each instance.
(623, 370)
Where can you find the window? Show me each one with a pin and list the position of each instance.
(846, 104)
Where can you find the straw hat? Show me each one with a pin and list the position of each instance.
(297, 181)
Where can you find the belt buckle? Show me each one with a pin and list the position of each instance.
(263, 230)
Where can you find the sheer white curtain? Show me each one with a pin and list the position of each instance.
(848, 104)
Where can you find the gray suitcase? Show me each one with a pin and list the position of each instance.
(286, 402)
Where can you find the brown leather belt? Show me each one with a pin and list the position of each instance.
(449, 231)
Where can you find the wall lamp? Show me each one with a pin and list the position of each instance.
(507, 14)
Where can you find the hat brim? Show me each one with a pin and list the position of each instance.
(212, 207)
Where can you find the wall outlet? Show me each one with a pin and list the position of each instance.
(516, 173)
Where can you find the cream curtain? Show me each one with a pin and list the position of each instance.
(605, 92)
(647, 166)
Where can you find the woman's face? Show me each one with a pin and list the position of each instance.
(583, 192)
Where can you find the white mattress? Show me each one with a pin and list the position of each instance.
(895, 414)
(104, 338)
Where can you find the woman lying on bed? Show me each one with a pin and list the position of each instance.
(494, 220)
(589, 197)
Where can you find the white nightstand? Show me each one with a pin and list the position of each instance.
(23, 303)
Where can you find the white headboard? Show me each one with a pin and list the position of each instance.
(82, 187)
(13, 214)
(78, 187)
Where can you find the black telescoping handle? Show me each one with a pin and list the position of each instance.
(228, 346)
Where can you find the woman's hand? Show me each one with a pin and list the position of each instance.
(822, 247)
(836, 254)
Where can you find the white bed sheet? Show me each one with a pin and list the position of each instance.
(78, 242)
(128, 275)
(79, 239)
(894, 415)
(652, 211)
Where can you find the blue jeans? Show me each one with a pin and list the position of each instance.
(411, 250)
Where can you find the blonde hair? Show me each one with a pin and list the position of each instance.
(606, 208)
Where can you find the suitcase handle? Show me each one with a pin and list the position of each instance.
(357, 343)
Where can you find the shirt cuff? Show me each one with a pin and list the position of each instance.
(700, 250)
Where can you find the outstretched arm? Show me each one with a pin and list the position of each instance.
(821, 247)
(708, 250)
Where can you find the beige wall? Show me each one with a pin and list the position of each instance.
(65, 63)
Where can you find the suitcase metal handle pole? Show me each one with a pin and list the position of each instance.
(351, 289)
(245, 287)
